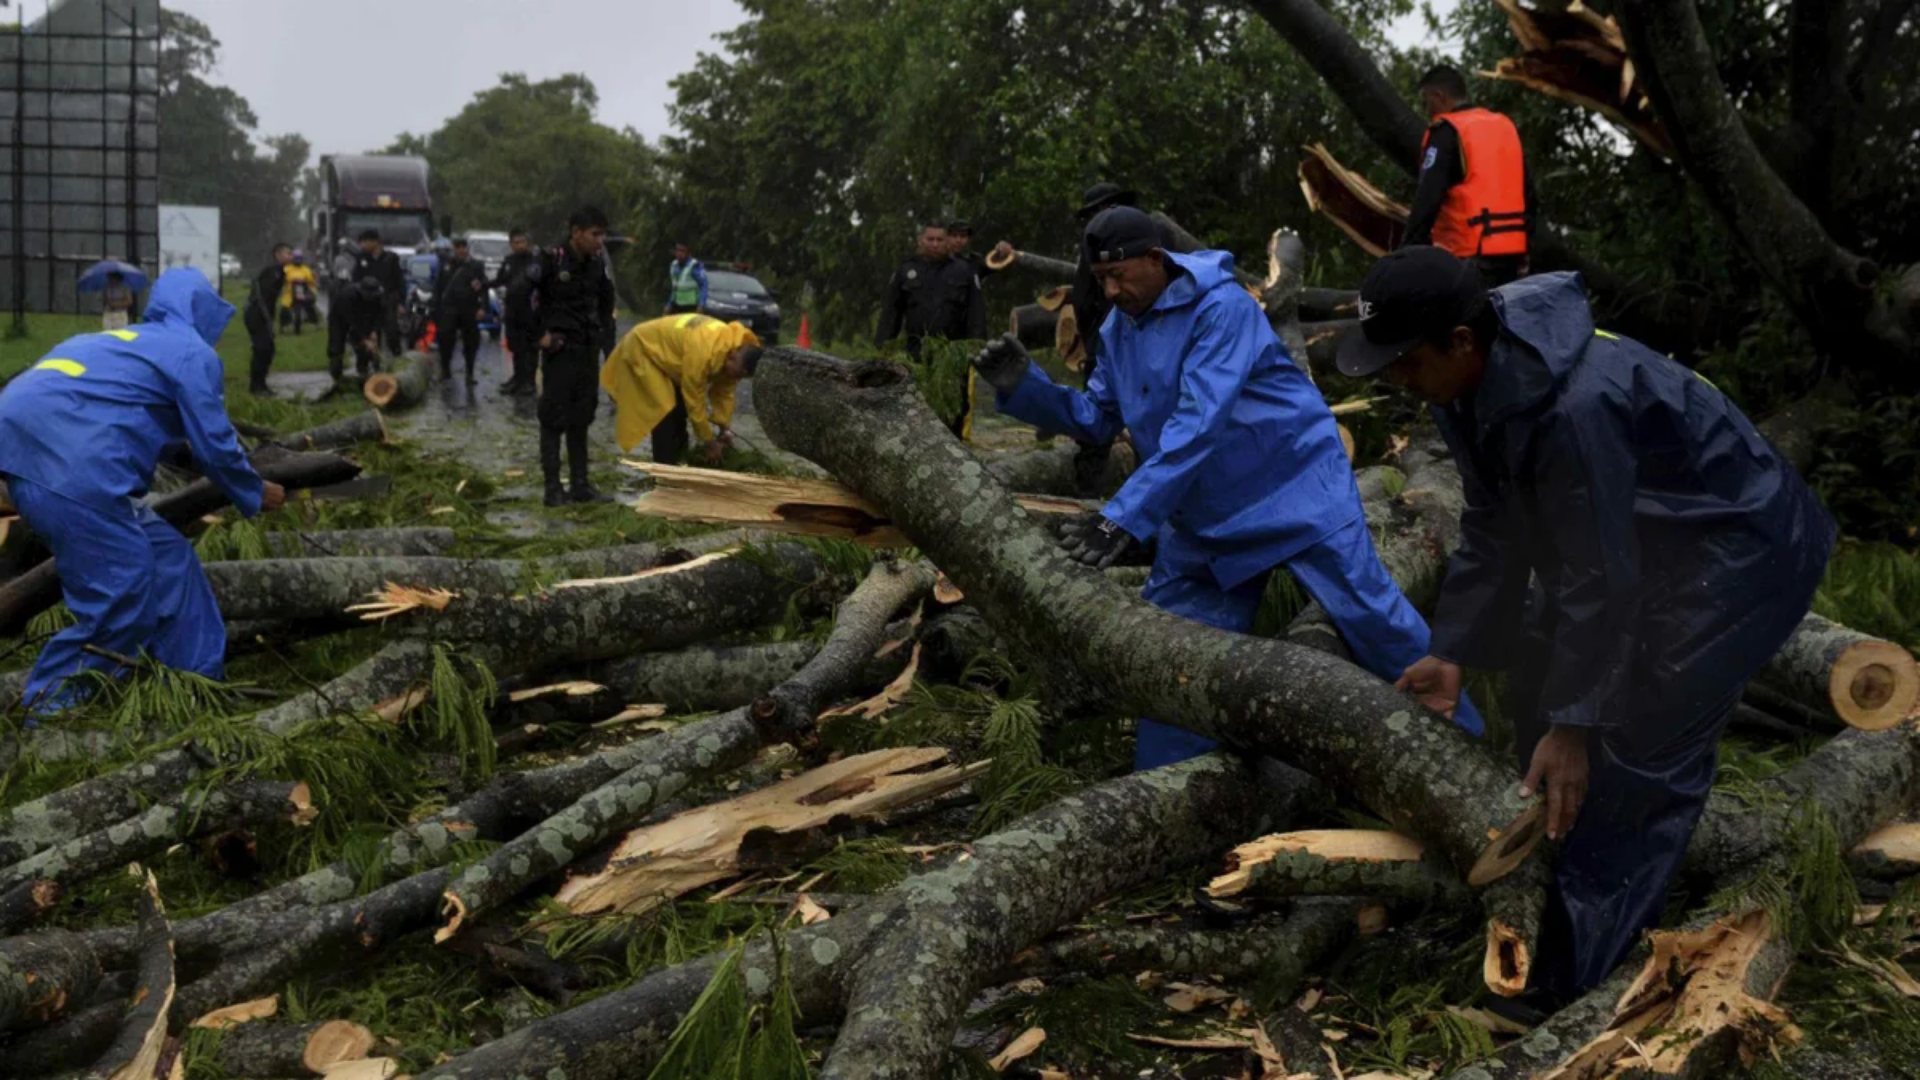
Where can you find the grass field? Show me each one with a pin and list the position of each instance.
(306, 352)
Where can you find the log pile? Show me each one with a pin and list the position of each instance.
(658, 735)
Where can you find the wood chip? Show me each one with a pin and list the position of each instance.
(1187, 997)
(1022, 1045)
(887, 699)
(257, 1009)
(1212, 1042)
(649, 714)
(514, 474)
(1310, 1000)
(439, 510)
(946, 592)
(395, 709)
(811, 912)
(401, 599)
(676, 568)
(363, 1069)
(1887, 971)
(572, 688)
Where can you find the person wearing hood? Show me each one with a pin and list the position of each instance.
(675, 370)
(1671, 552)
(1241, 468)
(80, 434)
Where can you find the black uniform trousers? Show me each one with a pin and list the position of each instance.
(671, 438)
(336, 336)
(569, 396)
(464, 325)
(523, 349)
(260, 332)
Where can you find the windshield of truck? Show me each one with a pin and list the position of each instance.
(488, 248)
(729, 282)
(396, 230)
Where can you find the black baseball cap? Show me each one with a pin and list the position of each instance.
(1413, 294)
(1120, 232)
(1102, 195)
(960, 225)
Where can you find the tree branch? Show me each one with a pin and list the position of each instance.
(1351, 74)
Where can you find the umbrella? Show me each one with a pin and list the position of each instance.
(95, 279)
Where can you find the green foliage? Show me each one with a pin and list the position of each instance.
(944, 374)
(1866, 469)
(862, 866)
(232, 539)
(460, 695)
(1087, 1022)
(1809, 892)
(1875, 589)
(723, 1036)
(50, 622)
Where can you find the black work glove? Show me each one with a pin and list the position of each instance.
(1097, 541)
(1002, 363)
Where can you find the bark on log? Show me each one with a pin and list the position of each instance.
(359, 543)
(1863, 681)
(1045, 869)
(675, 760)
(1349, 71)
(704, 678)
(1056, 269)
(368, 426)
(866, 425)
(1338, 862)
(46, 976)
(265, 1049)
(1321, 304)
(1278, 948)
(134, 1053)
(39, 589)
(1889, 853)
(405, 385)
(99, 802)
(249, 802)
(1033, 324)
(1050, 471)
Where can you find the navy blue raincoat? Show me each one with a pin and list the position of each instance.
(80, 434)
(1671, 552)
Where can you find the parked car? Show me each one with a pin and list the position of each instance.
(737, 296)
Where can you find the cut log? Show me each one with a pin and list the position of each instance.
(1053, 470)
(866, 425)
(1515, 906)
(1033, 325)
(1319, 304)
(247, 802)
(134, 1053)
(1057, 269)
(1337, 862)
(1889, 853)
(780, 504)
(1277, 948)
(39, 589)
(1576, 55)
(659, 863)
(368, 426)
(1865, 682)
(404, 385)
(1016, 887)
(49, 974)
(704, 678)
(1364, 212)
(269, 1050)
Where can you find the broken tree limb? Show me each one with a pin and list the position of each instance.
(1337, 862)
(405, 385)
(265, 1049)
(1033, 325)
(1320, 304)
(1057, 269)
(1279, 948)
(42, 979)
(669, 763)
(1365, 213)
(1864, 681)
(1051, 470)
(1349, 70)
(1576, 55)
(1515, 906)
(134, 1053)
(39, 588)
(368, 426)
(1889, 853)
(866, 424)
(704, 678)
(247, 802)
(99, 802)
(1046, 869)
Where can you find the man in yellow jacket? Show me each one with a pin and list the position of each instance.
(676, 370)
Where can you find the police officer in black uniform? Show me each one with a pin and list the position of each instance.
(377, 262)
(573, 318)
(363, 311)
(932, 294)
(516, 316)
(457, 295)
(259, 318)
(341, 286)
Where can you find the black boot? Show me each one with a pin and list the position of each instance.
(581, 488)
(550, 466)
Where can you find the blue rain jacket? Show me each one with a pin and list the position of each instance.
(1241, 464)
(93, 417)
(1674, 549)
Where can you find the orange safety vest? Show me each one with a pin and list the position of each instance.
(1486, 213)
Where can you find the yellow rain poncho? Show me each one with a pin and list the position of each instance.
(687, 351)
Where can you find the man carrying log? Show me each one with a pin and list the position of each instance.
(80, 434)
(678, 369)
(1671, 552)
(1241, 469)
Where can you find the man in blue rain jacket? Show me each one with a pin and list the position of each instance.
(80, 433)
(1241, 465)
(1671, 552)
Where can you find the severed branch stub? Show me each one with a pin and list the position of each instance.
(134, 1053)
(1337, 862)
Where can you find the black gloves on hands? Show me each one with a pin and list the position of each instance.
(1002, 363)
(1097, 541)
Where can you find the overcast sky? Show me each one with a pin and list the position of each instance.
(352, 74)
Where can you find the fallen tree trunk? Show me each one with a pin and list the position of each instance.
(1862, 681)
(1889, 853)
(134, 1053)
(867, 426)
(1320, 304)
(39, 589)
(1016, 886)
(361, 543)
(405, 385)
(1051, 470)
(1277, 948)
(264, 1049)
(43, 977)
(1337, 862)
(368, 426)
(704, 678)
(1033, 325)
(1056, 269)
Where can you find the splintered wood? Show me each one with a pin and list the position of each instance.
(1334, 845)
(1362, 211)
(1578, 56)
(1693, 990)
(782, 504)
(399, 600)
(660, 862)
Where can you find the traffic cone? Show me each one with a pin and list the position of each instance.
(805, 340)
